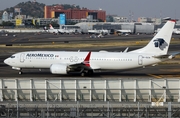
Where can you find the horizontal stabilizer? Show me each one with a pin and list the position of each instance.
(169, 55)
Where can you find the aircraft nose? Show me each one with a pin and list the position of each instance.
(6, 61)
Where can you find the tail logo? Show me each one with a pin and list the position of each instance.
(160, 43)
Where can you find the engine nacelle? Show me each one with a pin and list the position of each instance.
(58, 69)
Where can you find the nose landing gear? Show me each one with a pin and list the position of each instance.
(20, 72)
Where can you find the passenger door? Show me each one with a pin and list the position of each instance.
(22, 57)
(140, 60)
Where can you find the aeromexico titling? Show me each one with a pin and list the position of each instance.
(65, 62)
(39, 55)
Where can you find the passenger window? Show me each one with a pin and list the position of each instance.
(12, 56)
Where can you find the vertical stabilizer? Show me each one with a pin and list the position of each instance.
(50, 27)
(160, 43)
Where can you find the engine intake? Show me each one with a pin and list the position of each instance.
(58, 69)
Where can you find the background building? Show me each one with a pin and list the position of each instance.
(54, 11)
(120, 19)
(5, 16)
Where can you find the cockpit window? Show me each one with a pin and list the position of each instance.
(12, 56)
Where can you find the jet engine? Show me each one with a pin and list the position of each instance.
(58, 69)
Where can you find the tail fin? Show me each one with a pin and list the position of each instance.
(160, 43)
(50, 26)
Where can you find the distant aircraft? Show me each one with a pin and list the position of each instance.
(93, 32)
(52, 30)
(85, 63)
(123, 32)
(57, 31)
(61, 31)
(103, 32)
(176, 31)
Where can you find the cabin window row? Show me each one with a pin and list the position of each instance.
(96, 59)
(100, 59)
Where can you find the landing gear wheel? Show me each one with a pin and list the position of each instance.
(90, 72)
(87, 73)
(20, 72)
(83, 74)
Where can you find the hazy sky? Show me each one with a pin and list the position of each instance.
(125, 8)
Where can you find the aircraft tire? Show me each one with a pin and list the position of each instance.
(20, 73)
(83, 74)
(90, 72)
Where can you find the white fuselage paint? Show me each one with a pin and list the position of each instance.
(63, 62)
(98, 60)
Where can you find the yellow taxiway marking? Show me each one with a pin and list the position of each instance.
(13, 40)
(155, 76)
(172, 76)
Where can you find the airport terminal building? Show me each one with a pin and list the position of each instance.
(54, 11)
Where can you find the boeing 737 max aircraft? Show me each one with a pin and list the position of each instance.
(62, 62)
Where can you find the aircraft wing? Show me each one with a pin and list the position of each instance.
(80, 66)
(85, 65)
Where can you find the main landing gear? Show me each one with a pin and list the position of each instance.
(20, 72)
(87, 73)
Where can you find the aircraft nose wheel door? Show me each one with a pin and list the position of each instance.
(140, 60)
(22, 58)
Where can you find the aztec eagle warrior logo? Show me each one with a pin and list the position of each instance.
(160, 43)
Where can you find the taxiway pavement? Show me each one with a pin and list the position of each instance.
(171, 69)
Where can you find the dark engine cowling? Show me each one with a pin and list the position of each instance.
(58, 69)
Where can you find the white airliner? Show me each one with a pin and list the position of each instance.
(103, 31)
(125, 32)
(57, 31)
(60, 31)
(62, 62)
(52, 30)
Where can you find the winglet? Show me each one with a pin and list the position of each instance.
(173, 20)
(86, 60)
